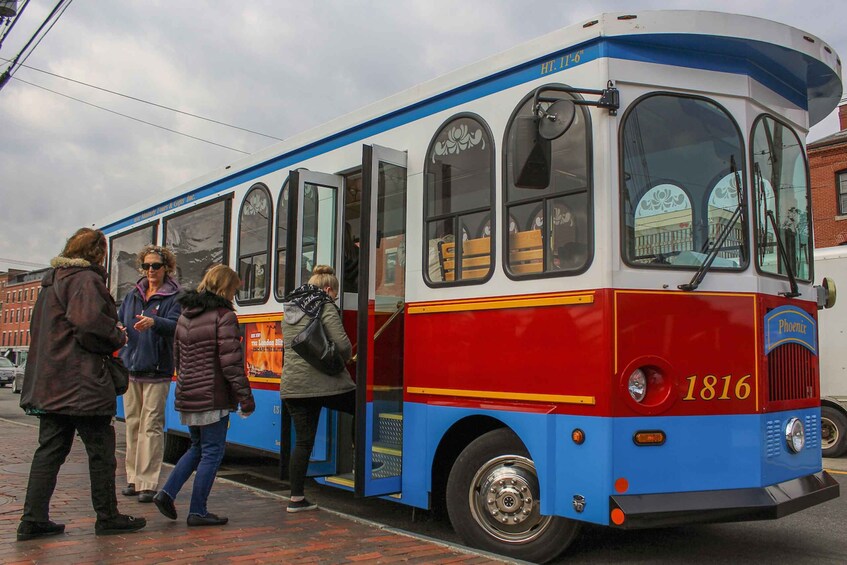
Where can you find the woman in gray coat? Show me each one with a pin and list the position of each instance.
(303, 388)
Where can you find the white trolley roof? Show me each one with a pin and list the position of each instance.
(796, 65)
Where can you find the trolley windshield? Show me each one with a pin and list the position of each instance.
(682, 161)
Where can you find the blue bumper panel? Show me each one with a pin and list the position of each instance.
(736, 505)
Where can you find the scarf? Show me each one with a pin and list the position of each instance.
(309, 298)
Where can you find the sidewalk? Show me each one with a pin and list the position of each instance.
(259, 530)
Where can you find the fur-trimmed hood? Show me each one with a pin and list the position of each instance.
(64, 267)
(195, 303)
(64, 262)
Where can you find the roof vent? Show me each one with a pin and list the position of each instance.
(589, 24)
(627, 17)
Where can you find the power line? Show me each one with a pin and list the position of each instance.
(4, 78)
(9, 28)
(43, 35)
(131, 118)
(148, 102)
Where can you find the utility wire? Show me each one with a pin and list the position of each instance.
(147, 102)
(43, 35)
(9, 28)
(132, 118)
(8, 73)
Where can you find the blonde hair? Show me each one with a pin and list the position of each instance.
(220, 280)
(88, 244)
(167, 256)
(324, 276)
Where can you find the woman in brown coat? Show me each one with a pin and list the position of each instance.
(74, 326)
(210, 384)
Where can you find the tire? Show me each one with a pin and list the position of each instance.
(175, 447)
(498, 464)
(833, 432)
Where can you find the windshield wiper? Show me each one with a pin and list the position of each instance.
(784, 255)
(769, 215)
(740, 210)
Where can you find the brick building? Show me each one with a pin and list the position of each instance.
(828, 171)
(18, 295)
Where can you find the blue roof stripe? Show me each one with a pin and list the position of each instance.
(685, 50)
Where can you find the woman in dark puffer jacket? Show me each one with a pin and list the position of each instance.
(210, 384)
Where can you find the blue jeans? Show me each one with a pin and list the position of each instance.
(204, 456)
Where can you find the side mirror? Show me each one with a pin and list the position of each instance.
(531, 155)
(557, 119)
(826, 294)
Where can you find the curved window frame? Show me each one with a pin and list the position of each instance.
(260, 187)
(704, 201)
(589, 164)
(754, 202)
(490, 208)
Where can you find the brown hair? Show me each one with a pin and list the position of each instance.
(220, 280)
(324, 276)
(88, 244)
(167, 256)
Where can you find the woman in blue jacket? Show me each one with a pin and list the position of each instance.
(149, 313)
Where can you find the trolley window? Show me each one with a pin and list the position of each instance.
(199, 238)
(459, 173)
(254, 245)
(781, 191)
(281, 240)
(682, 164)
(123, 267)
(549, 217)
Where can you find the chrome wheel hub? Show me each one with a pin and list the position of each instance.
(504, 499)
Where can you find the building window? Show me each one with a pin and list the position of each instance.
(841, 187)
(254, 245)
(459, 190)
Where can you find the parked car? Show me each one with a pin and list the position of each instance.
(18, 385)
(7, 372)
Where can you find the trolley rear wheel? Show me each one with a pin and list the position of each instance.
(493, 500)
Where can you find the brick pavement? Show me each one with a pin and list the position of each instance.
(259, 531)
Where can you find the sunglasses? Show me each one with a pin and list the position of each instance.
(154, 266)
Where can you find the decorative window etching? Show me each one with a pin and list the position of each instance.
(457, 139)
(661, 200)
(256, 204)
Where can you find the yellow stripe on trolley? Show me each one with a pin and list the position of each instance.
(487, 394)
(501, 303)
(272, 317)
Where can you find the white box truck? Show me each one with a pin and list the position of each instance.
(831, 263)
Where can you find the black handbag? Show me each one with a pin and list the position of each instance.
(119, 373)
(313, 345)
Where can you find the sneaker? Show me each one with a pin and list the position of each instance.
(208, 520)
(165, 504)
(129, 490)
(146, 495)
(301, 506)
(32, 530)
(120, 524)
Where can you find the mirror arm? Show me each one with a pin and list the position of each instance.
(610, 97)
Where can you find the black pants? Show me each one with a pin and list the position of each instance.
(305, 413)
(55, 438)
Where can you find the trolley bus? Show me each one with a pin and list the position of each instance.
(578, 277)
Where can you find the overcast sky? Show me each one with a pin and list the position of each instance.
(274, 66)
